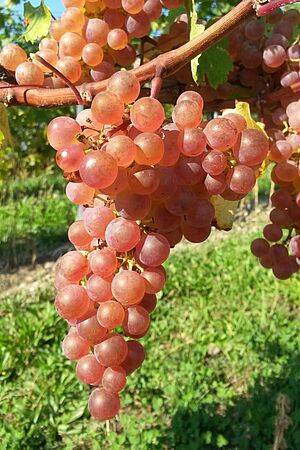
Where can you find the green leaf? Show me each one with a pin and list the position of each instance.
(221, 441)
(2, 137)
(216, 64)
(195, 30)
(38, 19)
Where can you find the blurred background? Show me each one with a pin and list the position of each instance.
(222, 368)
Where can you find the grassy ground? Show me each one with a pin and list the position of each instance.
(223, 345)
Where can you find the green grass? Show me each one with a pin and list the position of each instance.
(34, 218)
(181, 398)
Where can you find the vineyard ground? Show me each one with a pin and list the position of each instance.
(223, 351)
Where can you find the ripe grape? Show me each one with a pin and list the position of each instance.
(69, 158)
(62, 131)
(96, 220)
(98, 169)
(128, 287)
(103, 405)
(72, 301)
(122, 235)
(70, 68)
(241, 179)
(192, 141)
(11, 56)
(122, 149)
(96, 31)
(91, 330)
(79, 193)
(89, 371)
(214, 162)
(29, 73)
(111, 351)
(153, 250)
(155, 279)
(107, 108)
(274, 56)
(117, 39)
(260, 247)
(150, 148)
(125, 85)
(136, 321)
(221, 133)
(187, 114)
(92, 54)
(137, 25)
(114, 379)
(143, 180)
(74, 266)
(149, 303)
(134, 358)
(272, 232)
(110, 314)
(147, 114)
(74, 346)
(252, 148)
(103, 262)
(99, 288)
(133, 206)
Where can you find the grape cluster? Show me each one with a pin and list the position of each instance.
(144, 182)
(280, 235)
(87, 42)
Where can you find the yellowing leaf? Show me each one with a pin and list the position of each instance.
(195, 30)
(224, 212)
(37, 20)
(243, 109)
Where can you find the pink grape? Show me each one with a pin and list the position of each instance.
(133, 206)
(99, 289)
(98, 169)
(62, 131)
(11, 56)
(155, 279)
(70, 157)
(150, 148)
(136, 321)
(111, 351)
(71, 44)
(252, 148)
(114, 379)
(70, 68)
(103, 262)
(189, 170)
(187, 114)
(96, 31)
(122, 235)
(168, 182)
(134, 358)
(274, 56)
(221, 133)
(137, 25)
(89, 371)
(153, 250)
(74, 266)
(72, 19)
(147, 114)
(281, 151)
(102, 71)
(295, 245)
(96, 220)
(287, 170)
(107, 108)
(78, 235)
(122, 149)
(149, 303)
(164, 220)
(192, 141)
(201, 215)
(72, 301)
(91, 330)
(125, 85)
(143, 180)
(103, 405)
(113, 18)
(260, 247)
(195, 234)
(241, 179)
(181, 202)
(29, 73)
(215, 185)
(110, 314)
(92, 54)
(214, 162)
(117, 39)
(75, 347)
(170, 136)
(191, 96)
(128, 287)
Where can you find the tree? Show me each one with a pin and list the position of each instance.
(147, 173)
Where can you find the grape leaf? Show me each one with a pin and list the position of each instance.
(37, 20)
(195, 30)
(224, 212)
(216, 64)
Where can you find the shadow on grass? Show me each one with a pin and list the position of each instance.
(249, 422)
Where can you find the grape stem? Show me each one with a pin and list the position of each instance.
(263, 10)
(62, 77)
(172, 61)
